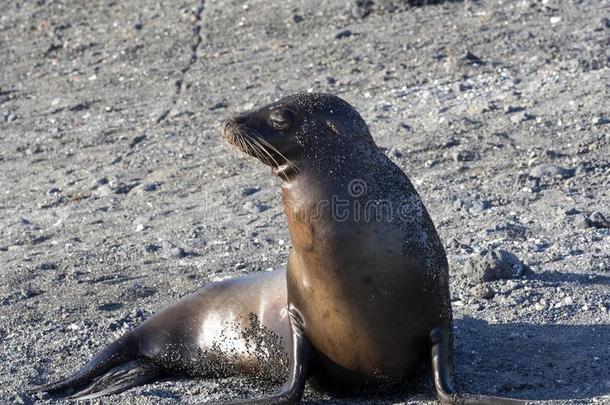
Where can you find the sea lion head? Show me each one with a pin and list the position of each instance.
(298, 130)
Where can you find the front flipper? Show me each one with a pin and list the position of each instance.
(443, 380)
(300, 361)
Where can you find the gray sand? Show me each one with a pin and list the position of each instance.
(118, 196)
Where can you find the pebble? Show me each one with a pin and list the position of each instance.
(493, 265)
(99, 182)
(137, 291)
(465, 155)
(598, 220)
(219, 105)
(28, 292)
(472, 59)
(509, 109)
(395, 152)
(151, 248)
(471, 205)
(249, 191)
(43, 396)
(254, 208)
(483, 291)
(136, 140)
(533, 183)
(580, 221)
(48, 266)
(177, 252)
(600, 120)
(296, 18)
(110, 306)
(360, 8)
(521, 116)
(146, 188)
(551, 170)
(343, 34)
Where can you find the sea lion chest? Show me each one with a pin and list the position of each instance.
(367, 306)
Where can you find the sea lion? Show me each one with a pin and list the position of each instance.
(364, 298)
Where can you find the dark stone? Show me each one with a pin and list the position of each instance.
(343, 34)
(494, 265)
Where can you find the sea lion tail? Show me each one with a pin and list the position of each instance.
(443, 380)
(116, 368)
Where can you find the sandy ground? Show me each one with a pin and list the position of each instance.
(118, 196)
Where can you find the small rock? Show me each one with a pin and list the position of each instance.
(297, 18)
(343, 34)
(451, 142)
(137, 291)
(471, 205)
(140, 227)
(509, 109)
(494, 265)
(472, 59)
(580, 221)
(123, 188)
(159, 115)
(551, 170)
(533, 183)
(53, 190)
(177, 253)
(359, 9)
(136, 140)
(253, 208)
(249, 191)
(100, 182)
(219, 105)
(43, 396)
(598, 220)
(521, 116)
(555, 20)
(110, 306)
(483, 291)
(465, 155)
(48, 266)
(395, 152)
(151, 248)
(28, 292)
(479, 206)
(146, 188)
(600, 120)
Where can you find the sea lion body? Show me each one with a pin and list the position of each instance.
(230, 327)
(364, 297)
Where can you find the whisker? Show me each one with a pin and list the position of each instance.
(273, 148)
(256, 141)
(257, 151)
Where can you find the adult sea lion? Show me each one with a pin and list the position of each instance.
(364, 298)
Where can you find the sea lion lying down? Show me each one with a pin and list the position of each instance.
(363, 301)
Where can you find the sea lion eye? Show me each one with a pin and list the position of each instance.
(281, 118)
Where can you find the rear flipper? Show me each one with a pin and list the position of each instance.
(115, 369)
(443, 379)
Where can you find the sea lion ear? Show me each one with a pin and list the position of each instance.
(333, 127)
